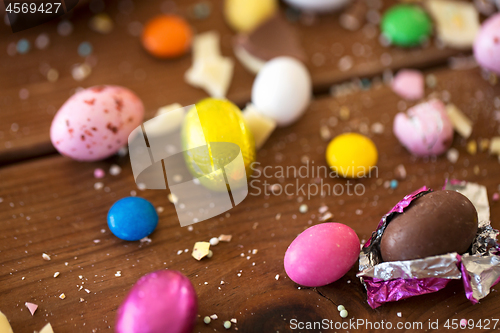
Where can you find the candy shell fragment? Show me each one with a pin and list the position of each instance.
(460, 122)
(225, 238)
(31, 307)
(201, 250)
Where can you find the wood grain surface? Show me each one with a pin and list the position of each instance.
(118, 58)
(49, 205)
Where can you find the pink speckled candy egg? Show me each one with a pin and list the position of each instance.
(161, 301)
(95, 123)
(322, 254)
(425, 129)
(487, 44)
(409, 84)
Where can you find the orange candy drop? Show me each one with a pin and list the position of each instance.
(167, 36)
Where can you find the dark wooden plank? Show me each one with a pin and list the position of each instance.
(50, 206)
(119, 59)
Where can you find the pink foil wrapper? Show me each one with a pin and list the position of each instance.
(396, 280)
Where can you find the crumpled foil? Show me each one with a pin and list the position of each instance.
(395, 280)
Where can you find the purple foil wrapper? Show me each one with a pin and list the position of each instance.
(396, 280)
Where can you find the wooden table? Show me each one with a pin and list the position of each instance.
(48, 203)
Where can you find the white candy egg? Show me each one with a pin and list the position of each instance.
(317, 5)
(282, 90)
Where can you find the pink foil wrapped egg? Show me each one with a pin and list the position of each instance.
(95, 123)
(161, 301)
(487, 44)
(322, 254)
(425, 129)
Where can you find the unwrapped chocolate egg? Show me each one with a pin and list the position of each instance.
(95, 123)
(436, 223)
(161, 301)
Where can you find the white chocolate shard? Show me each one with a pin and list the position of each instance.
(47, 329)
(261, 126)
(4, 324)
(461, 123)
(210, 70)
(201, 250)
(457, 22)
(495, 146)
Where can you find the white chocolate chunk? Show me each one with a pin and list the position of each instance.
(457, 22)
(495, 146)
(201, 250)
(461, 123)
(4, 324)
(260, 125)
(166, 120)
(210, 71)
(47, 329)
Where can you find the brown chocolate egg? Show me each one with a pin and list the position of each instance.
(437, 223)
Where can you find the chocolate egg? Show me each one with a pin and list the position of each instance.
(437, 223)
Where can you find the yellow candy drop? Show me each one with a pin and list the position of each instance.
(351, 155)
(219, 125)
(245, 15)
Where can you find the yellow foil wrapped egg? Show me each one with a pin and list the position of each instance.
(246, 15)
(214, 134)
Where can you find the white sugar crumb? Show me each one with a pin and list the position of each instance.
(97, 241)
(80, 277)
(118, 273)
(87, 291)
(377, 128)
(452, 155)
(239, 274)
(303, 209)
(222, 282)
(254, 251)
(214, 241)
(179, 252)
(190, 228)
(277, 277)
(399, 314)
(45, 256)
(115, 170)
(81, 300)
(160, 210)
(62, 296)
(98, 186)
(214, 316)
(141, 186)
(172, 198)
(145, 240)
(103, 231)
(234, 321)
(56, 274)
